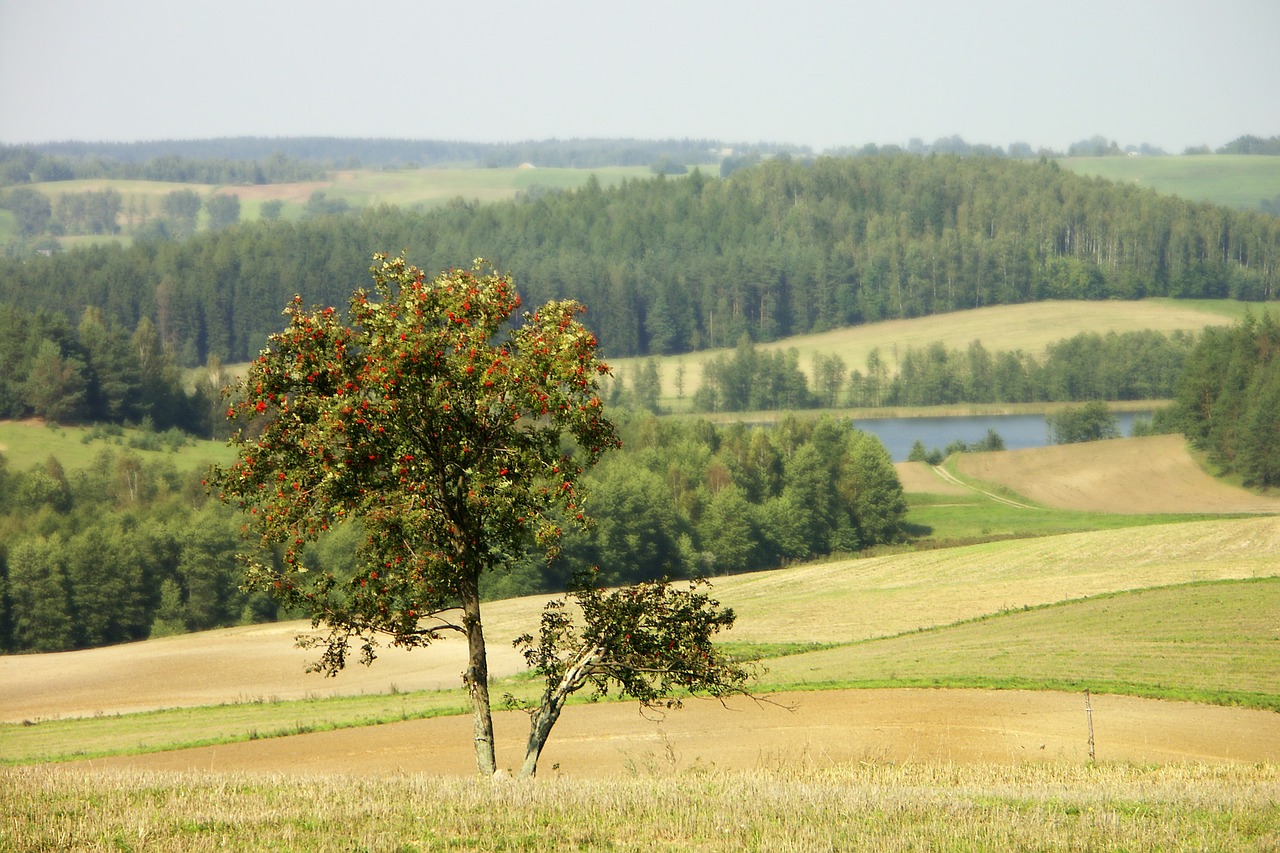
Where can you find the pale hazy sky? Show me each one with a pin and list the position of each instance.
(1173, 73)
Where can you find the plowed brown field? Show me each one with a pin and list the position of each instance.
(817, 729)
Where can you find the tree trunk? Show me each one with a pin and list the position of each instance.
(476, 678)
(575, 675)
(539, 730)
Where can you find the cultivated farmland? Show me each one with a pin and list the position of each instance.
(918, 697)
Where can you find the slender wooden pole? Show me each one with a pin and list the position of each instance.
(1088, 712)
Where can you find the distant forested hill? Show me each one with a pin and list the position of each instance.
(672, 264)
(261, 159)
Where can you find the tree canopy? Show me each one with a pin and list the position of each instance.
(1228, 400)
(444, 442)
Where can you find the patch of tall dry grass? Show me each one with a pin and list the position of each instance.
(869, 805)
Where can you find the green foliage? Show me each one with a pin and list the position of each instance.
(89, 212)
(32, 209)
(686, 497)
(989, 443)
(96, 371)
(102, 554)
(223, 209)
(1091, 422)
(181, 208)
(752, 381)
(672, 265)
(1228, 398)
(451, 437)
(444, 445)
(1088, 366)
(652, 642)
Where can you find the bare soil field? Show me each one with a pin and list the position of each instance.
(803, 730)
(1128, 475)
(248, 664)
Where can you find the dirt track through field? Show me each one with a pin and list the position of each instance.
(819, 729)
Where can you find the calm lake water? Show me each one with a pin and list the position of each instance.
(1018, 431)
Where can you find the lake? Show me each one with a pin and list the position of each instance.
(1018, 431)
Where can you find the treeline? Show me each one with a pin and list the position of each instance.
(127, 549)
(1249, 144)
(1141, 365)
(377, 153)
(258, 160)
(686, 497)
(97, 371)
(1228, 400)
(672, 265)
(71, 161)
(120, 550)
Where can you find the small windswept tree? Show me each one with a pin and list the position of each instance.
(651, 641)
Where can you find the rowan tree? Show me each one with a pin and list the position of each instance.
(453, 438)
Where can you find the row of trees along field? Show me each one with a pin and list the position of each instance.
(101, 212)
(99, 372)
(125, 549)
(136, 161)
(260, 160)
(1228, 399)
(671, 265)
(1116, 366)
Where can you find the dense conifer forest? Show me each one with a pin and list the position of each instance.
(1228, 400)
(668, 265)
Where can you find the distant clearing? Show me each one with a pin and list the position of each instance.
(1234, 180)
(27, 443)
(1030, 327)
(1140, 475)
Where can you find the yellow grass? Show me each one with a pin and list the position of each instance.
(1029, 327)
(793, 807)
(875, 597)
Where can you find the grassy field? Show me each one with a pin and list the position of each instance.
(27, 443)
(1030, 327)
(1233, 180)
(1207, 642)
(406, 188)
(867, 806)
(982, 615)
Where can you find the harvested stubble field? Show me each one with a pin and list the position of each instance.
(1030, 327)
(826, 769)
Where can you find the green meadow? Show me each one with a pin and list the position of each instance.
(1234, 180)
(24, 444)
